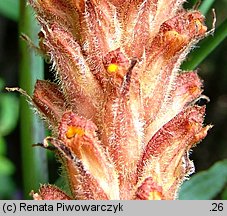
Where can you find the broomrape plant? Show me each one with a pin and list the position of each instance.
(123, 115)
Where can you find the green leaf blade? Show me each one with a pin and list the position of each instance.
(9, 113)
(205, 185)
(10, 9)
(6, 166)
(205, 6)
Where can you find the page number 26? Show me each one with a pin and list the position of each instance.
(217, 207)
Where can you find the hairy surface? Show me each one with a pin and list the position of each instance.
(123, 113)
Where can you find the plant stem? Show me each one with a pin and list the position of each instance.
(34, 160)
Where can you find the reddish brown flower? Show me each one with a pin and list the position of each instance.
(123, 115)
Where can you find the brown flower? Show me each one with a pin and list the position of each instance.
(123, 115)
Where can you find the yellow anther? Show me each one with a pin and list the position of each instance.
(112, 68)
(171, 34)
(72, 131)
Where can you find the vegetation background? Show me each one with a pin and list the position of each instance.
(22, 168)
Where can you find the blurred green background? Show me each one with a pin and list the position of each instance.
(22, 168)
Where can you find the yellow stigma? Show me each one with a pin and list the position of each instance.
(112, 68)
(155, 195)
(199, 26)
(72, 131)
(175, 41)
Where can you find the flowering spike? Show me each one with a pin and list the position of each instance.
(123, 114)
